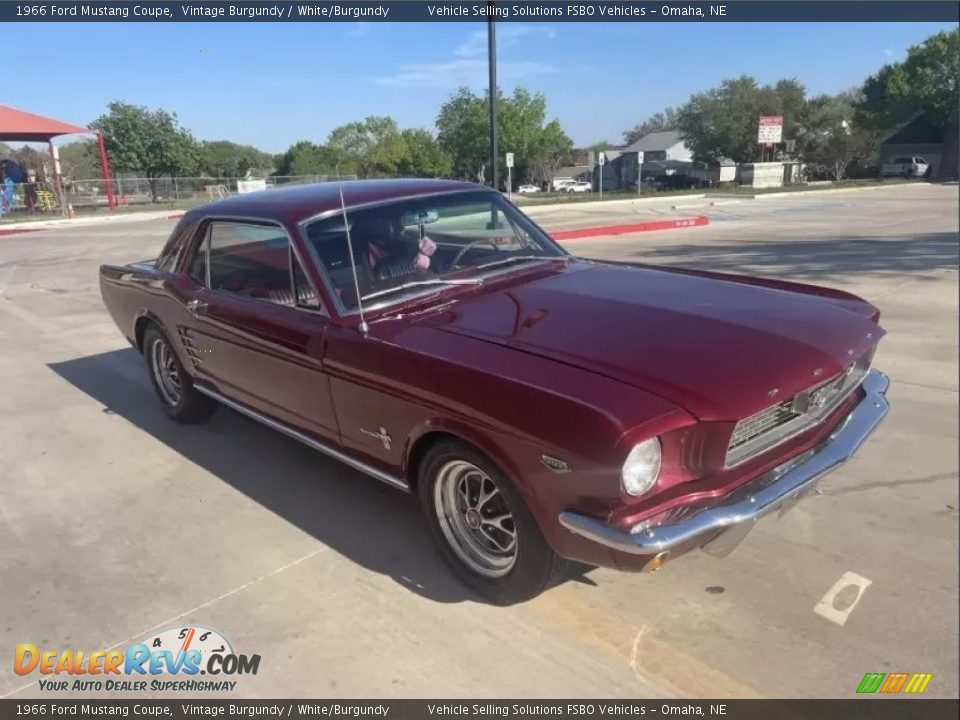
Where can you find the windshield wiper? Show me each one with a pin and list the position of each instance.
(417, 283)
(514, 258)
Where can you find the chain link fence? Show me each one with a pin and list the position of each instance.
(90, 195)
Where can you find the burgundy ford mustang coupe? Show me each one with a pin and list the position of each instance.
(542, 407)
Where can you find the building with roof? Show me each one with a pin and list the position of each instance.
(925, 138)
(665, 145)
(658, 148)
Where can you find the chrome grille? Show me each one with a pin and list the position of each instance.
(762, 422)
(778, 423)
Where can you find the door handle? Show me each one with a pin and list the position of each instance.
(197, 306)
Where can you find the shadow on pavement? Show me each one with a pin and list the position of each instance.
(369, 523)
(809, 259)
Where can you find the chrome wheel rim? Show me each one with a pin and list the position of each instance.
(475, 519)
(166, 376)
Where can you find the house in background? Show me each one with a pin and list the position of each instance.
(570, 173)
(612, 157)
(922, 137)
(657, 147)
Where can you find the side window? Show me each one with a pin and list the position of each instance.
(167, 259)
(256, 261)
(303, 290)
(197, 269)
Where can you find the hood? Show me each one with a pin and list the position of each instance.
(719, 348)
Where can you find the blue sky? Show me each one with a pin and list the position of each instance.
(270, 85)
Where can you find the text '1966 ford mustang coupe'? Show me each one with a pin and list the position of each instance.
(543, 408)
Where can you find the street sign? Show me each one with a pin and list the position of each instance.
(509, 160)
(602, 158)
(770, 129)
(640, 157)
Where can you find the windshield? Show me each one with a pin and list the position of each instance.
(424, 244)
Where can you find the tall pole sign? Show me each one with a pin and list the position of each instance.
(639, 170)
(769, 132)
(492, 61)
(510, 175)
(602, 159)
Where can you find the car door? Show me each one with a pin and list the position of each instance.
(257, 329)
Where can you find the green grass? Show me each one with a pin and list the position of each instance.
(841, 185)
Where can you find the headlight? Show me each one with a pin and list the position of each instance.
(642, 467)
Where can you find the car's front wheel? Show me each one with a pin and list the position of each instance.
(179, 399)
(482, 526)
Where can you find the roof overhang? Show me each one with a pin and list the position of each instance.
(21, 126)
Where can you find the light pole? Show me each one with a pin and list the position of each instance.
(492, 62)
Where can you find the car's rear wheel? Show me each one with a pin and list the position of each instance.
(179, 399)
(482, 526)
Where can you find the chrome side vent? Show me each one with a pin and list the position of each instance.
(191, 349)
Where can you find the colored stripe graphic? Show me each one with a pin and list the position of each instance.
(894, 682)
(918, 682)
(871, 682)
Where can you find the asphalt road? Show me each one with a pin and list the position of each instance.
(115, 522)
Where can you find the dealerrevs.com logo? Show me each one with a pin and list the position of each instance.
(170, 660)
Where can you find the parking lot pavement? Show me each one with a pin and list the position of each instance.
(114, 521)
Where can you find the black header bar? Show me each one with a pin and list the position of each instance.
(505, 11)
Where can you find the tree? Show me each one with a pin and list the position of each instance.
(828, 139)
(927, 81)
(145, 141)
(463, 126)
(463, 130)
(422, 155)
(373, 147)
(722, 122)
(551, 152)
(305, 158)
(80, 160)
(597, 146)
(658, 122)
(222, 158)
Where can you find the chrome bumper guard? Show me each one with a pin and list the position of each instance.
(777, 489)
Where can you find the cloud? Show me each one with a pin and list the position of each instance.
(449, 75)
(888, 52)
(469, 64)
(507, 36)
(358, 29)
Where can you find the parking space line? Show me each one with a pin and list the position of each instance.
(201, 606)
(827, 607)
(652, 660)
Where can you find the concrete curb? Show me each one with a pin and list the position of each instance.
(533, 209)
(650, 226)
(4, 232)
(89, 220)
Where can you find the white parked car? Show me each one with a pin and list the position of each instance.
(559, 185)
(906, 167)
(528, 189)
(578, 187)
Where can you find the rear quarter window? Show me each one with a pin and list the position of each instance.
(170, 253)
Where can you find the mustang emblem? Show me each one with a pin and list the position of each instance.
(381, 434)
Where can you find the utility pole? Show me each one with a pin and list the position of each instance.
(492, 61)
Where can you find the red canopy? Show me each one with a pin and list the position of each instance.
(27, 127)
(22, 126)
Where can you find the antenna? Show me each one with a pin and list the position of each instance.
(353, 263)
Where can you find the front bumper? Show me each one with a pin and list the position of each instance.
(722, 526)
